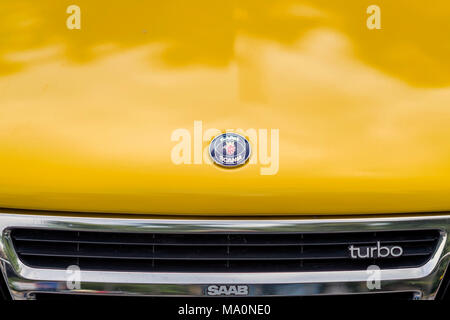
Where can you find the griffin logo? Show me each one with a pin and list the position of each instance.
(229, 150)
(227, 290)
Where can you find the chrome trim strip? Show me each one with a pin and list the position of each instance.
(23, 281)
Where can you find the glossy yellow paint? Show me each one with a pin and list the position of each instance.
(86, 116)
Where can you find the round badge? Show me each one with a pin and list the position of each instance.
(229, 150)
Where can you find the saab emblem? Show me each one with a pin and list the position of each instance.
(224, 290)
(229, 150)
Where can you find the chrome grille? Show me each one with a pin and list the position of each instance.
(217, 252)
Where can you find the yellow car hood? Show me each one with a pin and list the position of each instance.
(89, 117)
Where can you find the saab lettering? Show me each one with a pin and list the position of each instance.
(227, 290)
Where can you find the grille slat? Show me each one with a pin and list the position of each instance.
(218, 243)
(217, 252)
(212, 240)
(210, 254)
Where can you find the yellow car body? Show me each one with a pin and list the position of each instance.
(109, 111)
(87, 115)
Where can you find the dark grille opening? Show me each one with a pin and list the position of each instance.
(4, 292)
(217, 252)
